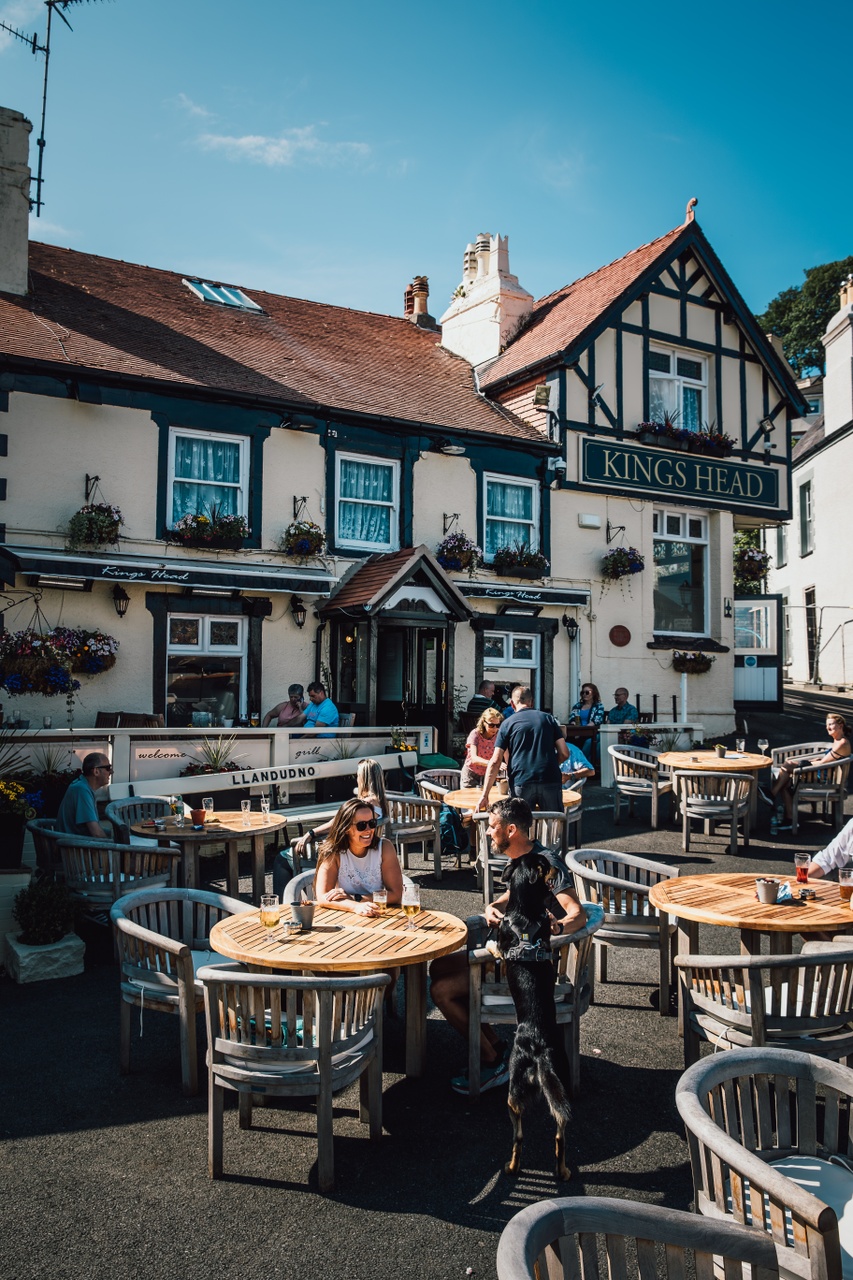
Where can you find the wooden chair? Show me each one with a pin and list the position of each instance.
(124, 814)
(468, 720)
(587, 1237)
(549, 828)
(795, 751)
(46, 838)
(751, 1116)
(711, 798)
(346, 719)
(106, 720)
(446, 779)
(282, 1036)
(141, 720)
(163, 938)
(98, 872)
(636, 772)
(490, 999)
(620, 884)
(413, 820)
(800, 1002)
(574, 817)
(824, 787)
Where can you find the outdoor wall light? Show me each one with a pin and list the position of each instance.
(685, 592)
(727, 607)
(298, 611)
(572, 627)
(120, 599)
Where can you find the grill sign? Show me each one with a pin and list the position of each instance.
(709, 480)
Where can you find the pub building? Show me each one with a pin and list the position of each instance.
(514, 422)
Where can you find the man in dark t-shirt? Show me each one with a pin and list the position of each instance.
(533, 746)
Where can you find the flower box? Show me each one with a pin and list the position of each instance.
(667, 435)
(214, 531)
(691, 663)
(518, 561)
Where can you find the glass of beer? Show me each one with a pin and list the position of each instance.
(411, 903)
(801, 862)
(269, 910)
(255, 719)
(380, 900)
(845, 884)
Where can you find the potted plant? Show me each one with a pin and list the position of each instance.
(516, 560)
(691, 662)
(213, 529)
(457, 552)
(621, 562)
(46, 946)
(16, 810)
(215, 756)
(302, 538)
(46, 786)
(95, 525)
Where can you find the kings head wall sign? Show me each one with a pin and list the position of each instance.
(711, 481)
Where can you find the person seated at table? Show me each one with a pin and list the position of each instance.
(284, 713)
(838, 853)
(479, 748)
(576, 767)
(589, 709)
(624, 712)
(484, 699)
(508, 829)
(839, 749)
(319, 711)
(369, 787)
(78, 812)
(354, 862)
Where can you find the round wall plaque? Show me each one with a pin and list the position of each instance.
(620, 636)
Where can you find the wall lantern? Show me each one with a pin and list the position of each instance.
(298, 611)
(120, 599)
(685, 592)
(572, 627)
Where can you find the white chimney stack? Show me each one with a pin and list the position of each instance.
(488, 305)
(14, 200)
(838, 379)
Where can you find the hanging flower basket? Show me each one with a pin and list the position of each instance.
(457, 552)
(90, 652)
(691, 662)
(95, 525)
(621, 562)
(31, 662)
(302, 538)
(219, 532)
(751, 567)
(518, 561)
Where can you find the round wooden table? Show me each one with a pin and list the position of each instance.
(731, 762)
(342, 942)
(227, 830)
(468, 797)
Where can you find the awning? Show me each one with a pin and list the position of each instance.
(235, 574)
(524, 595)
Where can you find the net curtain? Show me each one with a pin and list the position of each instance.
(513, 504)
(207, 474)
(366, 498)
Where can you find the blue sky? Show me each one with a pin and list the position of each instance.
(333, 151)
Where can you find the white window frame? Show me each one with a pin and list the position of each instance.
(508, 658)
(490, 477)
(696, 539)
(394, 524)
(217, 436)
(680, 380)
(222, 295)
(768, 608)
(805, 504)
(781, 545)
(204, 646)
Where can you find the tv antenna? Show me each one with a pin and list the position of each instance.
(35, 47)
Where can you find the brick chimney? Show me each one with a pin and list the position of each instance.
(488, 305)
(14, 200)
(415, 299)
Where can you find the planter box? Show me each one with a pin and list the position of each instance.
(11, 884)
(63, 959)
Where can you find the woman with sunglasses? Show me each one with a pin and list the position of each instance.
(589, 709)
(479, 748)
(838, 749)
(369, 787)
(354, 862)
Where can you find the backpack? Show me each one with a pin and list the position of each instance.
(454, 837)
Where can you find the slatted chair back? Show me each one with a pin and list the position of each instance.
(636, 772)
(574, 816)
(588, 1237)
(106, 720)
(795, 750)
(714, 797)
(822, 786)
(801, 1002)
(285, 1036)
(163, 938)
(748, 1109)
(124, 814)
(491, 1001)
(620, 884)
(413, 821)
(46, 839)
(447, 779)
(549, 828)
(98, 872)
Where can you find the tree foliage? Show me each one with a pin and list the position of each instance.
(799, 315)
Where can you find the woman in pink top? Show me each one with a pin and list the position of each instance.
(284, 712)
(479, 748)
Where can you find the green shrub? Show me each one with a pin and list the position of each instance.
(45, 912)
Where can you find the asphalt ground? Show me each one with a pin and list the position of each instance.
(106, 1176)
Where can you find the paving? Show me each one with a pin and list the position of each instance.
(106, 1176)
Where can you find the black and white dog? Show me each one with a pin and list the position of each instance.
(538, 1061)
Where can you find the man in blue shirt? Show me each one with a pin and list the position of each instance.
(78, 813)
(534, 747)
(320, 710)
(624, 712)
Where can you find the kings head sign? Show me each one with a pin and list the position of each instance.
(686, 475)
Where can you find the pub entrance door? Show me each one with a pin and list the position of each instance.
(411, 674)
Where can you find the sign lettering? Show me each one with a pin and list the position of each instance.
(718, 483)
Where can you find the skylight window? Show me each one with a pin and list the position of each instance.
(225, 295)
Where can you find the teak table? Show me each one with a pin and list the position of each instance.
(731, 762)
(343, 942)
(228, 830)
(467, 798)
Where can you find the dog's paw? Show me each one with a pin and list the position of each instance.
(563, 1174)
(493, 949)
(513, 1168)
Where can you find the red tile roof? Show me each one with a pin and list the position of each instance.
(370, 582)
(115, 318)
(559, 319)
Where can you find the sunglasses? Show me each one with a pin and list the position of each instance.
(368, 824)
(105, 768)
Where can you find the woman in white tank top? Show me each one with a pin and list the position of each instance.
(352, 864)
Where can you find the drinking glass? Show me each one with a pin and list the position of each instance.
(255, 719)
(265, 806)
(740, 744)
(47, 723)
(207, 805)
(269, 910)
(174, 804)
(179, 817)
(763, 744)
(845, 884)
(380, 899)
(801, 862)
(411, 903)
(246, 808)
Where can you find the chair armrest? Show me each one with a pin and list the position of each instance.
(161, 940)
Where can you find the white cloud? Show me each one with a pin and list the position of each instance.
(44, 229)
(192, 108)
(289, 148)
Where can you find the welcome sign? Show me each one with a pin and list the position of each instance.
(713, 481)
